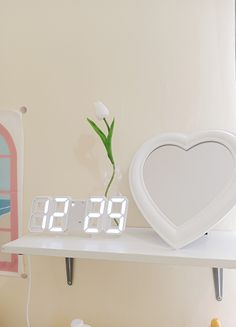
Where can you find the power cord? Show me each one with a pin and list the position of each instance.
(29, 292)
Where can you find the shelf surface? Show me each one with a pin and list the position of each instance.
(217, 249)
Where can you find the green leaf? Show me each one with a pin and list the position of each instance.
(109, 142)
(99, 132)
(106, 140)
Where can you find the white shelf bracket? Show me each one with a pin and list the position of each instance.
(218, 282)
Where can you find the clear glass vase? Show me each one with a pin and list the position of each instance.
(114, 187)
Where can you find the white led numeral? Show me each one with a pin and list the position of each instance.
(93, 217)
(61, 214)
(39, 214)
(58, 220)
(115, 219)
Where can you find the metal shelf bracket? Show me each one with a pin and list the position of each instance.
(218, 282)
(69, 270)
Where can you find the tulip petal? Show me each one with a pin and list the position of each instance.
(101, 110)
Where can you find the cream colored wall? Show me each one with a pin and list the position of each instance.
(159, 65)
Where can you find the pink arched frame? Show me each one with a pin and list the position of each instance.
(11, 265)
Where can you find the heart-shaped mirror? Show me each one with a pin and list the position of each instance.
(185, 184)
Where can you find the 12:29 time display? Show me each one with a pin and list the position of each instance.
(91, 216)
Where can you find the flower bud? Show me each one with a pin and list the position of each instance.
(101, 110)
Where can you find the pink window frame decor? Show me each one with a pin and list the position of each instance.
(12, 265)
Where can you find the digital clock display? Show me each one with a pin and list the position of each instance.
(91, 216)
(116, 215)
(39, 214)
(58, 220)
(95, 209)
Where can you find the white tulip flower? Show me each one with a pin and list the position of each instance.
(106, 137)
(101, 110)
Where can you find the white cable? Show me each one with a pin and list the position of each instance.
(29, 292)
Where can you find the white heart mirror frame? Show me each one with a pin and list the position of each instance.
(179, 236)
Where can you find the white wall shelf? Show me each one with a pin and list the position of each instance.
(217, 249)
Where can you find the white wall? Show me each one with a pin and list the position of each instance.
(159, 65)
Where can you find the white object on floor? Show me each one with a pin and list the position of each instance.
(77, 323)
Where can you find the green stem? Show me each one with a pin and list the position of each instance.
(108, 127)
(108, 186)
(111, 180)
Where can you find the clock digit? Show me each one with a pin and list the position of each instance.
(115, 220)
(93, 216)
(39, 214)
(58, 220)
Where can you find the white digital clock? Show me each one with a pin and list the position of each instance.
(91, 216)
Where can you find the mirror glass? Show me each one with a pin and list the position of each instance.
(184, 182)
